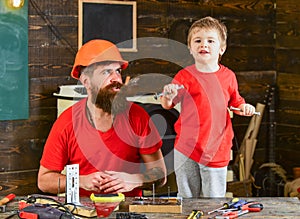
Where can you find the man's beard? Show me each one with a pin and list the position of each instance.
(109, 100)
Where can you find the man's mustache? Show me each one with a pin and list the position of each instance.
(114, 84)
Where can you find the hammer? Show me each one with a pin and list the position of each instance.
(5, 200)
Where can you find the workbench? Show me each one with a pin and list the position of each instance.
(274, 207)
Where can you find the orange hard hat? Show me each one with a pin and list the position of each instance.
(96, 51)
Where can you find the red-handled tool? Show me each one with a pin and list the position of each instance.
(28, 215)
(232, 214)
(5, 200)
(252, 207)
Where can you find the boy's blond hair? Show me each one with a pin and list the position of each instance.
(208, 23)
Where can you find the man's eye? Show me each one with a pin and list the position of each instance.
(211, 41)
(119, 70)
(106, 72)
(110, 71)
(197, 41)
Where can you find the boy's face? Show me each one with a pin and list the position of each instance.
(206, 46)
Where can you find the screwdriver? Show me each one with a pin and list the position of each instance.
(238, 109)
(226, 205)
(238, 204)
(196, 214)
(251, 206)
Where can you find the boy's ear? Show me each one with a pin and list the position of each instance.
(222, 50)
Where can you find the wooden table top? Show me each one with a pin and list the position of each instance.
(274, 207)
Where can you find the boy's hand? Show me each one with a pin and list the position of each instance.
(247, 110)
(170, 91)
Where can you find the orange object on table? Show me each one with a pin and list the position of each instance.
(7, 199)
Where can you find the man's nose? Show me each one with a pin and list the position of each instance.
(115, 76)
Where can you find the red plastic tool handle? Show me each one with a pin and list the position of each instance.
(253, 207)
(28, 215)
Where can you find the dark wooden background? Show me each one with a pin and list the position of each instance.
(263, 49)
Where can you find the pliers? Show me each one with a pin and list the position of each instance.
(232, 214)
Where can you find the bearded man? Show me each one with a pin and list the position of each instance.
(111, 139)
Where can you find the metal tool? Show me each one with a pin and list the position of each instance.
(157, 95)
(72, 184)
(226, 205)
(238, 109)
(250, 206)
(232, 214)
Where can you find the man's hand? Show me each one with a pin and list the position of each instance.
(118, 182)
(93, 181)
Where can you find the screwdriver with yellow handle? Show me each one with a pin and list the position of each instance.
(226, 205)
(196, 214)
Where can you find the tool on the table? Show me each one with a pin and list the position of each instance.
(45, 211)
(238, 109)
(83, 210)
(252, 207)
(105, 204)
(157, 95)
(5, 200)
(196, 214)
(130, 215)
(226, 205)
(232, 214)
(72, 184)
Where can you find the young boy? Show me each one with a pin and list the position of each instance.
(204, 129)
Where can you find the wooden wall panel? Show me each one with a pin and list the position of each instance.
(288, 60)
(288, 67)
(18, 182)
(249, 58)
(288, 24)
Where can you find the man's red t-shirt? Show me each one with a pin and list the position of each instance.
(73, 140)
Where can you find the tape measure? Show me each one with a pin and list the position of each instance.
(107, 197)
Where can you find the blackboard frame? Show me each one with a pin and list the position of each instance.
(121, 29)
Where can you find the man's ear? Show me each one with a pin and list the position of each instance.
(85, 80)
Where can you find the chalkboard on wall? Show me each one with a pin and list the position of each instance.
(14, 100)
(110, 20)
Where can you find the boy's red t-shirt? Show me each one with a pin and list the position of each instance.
(204, 128)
